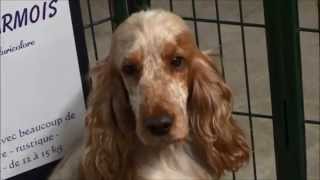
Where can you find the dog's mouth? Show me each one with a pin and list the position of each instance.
(163, 129)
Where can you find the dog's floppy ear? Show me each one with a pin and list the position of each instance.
(214, 131)
(109, 121)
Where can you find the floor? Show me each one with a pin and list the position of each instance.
(234, 69)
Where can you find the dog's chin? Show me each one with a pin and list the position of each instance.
(161, 141)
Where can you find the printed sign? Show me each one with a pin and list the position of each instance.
(42, 101)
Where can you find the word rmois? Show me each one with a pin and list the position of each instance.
(22, 18)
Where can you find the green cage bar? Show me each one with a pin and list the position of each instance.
(283, 42)
(137, 5)
(121, 9)
(119, 12)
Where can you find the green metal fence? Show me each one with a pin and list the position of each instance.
(285, 73)
(282, 30)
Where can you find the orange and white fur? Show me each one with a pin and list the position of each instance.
(158, 110)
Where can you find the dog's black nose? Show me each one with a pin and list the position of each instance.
(158, 126)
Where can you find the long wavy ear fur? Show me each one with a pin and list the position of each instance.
(108, 117)
(215, 133)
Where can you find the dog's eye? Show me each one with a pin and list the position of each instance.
(129, 69)
(177, 61)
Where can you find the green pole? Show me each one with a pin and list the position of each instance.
(119, 12)
(283, 42)
(121, 9)
(137, 5)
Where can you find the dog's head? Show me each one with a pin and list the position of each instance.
(157, 86)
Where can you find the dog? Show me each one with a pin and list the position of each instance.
(159, 109)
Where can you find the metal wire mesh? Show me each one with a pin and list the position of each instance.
(91, 25)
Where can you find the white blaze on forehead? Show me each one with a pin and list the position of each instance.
(179, 91)
(135, 101)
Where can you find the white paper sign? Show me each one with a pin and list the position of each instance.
(42, 104)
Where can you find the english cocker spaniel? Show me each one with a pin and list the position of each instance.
(158, 110)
